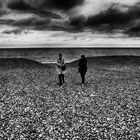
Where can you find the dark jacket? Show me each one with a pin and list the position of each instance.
(82, 66)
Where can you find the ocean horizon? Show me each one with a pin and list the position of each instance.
(50, 55)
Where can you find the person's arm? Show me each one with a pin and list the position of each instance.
(84, 63)
(63, 62)
(79, 63)
(58, 63)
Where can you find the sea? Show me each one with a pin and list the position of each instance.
(50, 55)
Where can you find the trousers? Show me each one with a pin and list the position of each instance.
(83, 77)
(61, 79)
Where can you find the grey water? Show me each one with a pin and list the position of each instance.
(49, 55)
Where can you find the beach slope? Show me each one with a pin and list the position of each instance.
(32, 106)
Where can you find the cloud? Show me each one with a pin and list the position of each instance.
(3, 7)
(32, 23)
(6, 21)
(62, 4)
(134, 28)
(43, 4)
(20, 5)
(37, 23)
(77, 14)
(93, 7)
(15, 31)
(107, 15)
(112, 18)
(42, 8)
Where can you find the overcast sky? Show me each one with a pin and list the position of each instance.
(56, 23)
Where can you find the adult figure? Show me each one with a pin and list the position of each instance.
(82, 68)
(61, 68)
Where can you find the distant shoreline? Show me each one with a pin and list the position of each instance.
(49, 55)
(96, 59)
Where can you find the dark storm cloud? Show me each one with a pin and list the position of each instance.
(36, 23)
(3, 7)
(43, 24)
(133, 30)
(29, 23)
(15, 31)
(42, 8)
(62, 4)
(6, 21)
(110, 18)
(45, 4)
(24, 6)
(19, 5)
(32, 22)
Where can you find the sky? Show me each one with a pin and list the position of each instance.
(69, 23)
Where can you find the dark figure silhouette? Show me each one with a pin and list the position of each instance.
(82, 68)
(61, 69)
